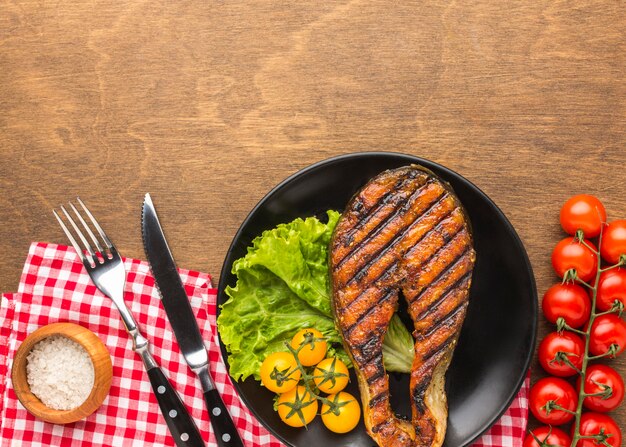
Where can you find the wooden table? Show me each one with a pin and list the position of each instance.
(208, 104)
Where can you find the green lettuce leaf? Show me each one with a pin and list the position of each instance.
(398, 348)
(283, 286)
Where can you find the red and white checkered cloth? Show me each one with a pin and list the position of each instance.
(55, 287)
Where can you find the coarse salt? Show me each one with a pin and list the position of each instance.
(59, 372)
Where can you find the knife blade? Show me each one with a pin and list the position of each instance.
(184, 325)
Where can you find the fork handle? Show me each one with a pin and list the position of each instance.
(180, 423)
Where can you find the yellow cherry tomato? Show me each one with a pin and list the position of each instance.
(331, 375)
(279, 372)
(313, 346)
(343, 414)
(297, 407)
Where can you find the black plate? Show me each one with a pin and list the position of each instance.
(497, 339)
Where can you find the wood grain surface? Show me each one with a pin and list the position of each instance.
(209, 104)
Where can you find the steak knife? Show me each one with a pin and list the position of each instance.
(176, 304)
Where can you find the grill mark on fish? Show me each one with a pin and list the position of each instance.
(434, 282)
(397, 238)
(364, 293)
(401, 237)
(458, 285)
(448, 240)
(371, 310)
(368, 350)
(366, 215)
(378, 427)
(418, 394)
(380, 372)
(439, 228)
(437, 350)
(385, 199)
(376, 400)
(419, 389)
(390, 270)
(392, 293)
(385, 223)
(439, 324)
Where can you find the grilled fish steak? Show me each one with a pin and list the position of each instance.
(404, 234)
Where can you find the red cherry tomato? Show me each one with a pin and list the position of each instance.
(592, 424)
(572, 254)
(552, 391)
(569, 301)
(547, 435)
(597, 379)
(583, 212)
(607, 330)
(614, 241)
(611, 287)
(555, 348)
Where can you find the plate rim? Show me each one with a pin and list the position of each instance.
(413, 159)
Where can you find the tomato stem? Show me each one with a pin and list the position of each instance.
(584, 283)
(306, 377)
(587, 335)
(544, 442)
(593, 250)
(570, 275)
(616, 309)
(551, 405)
(600, 437)
(611, 267)
(297, 406)
(611, 352)
(607, 390)
(563, 357)
(561, 324)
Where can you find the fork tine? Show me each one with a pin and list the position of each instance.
(92, 255)
(103, 235)
(91, 235)
(70, 237)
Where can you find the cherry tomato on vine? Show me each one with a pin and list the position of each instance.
(572, 254)
(343, 414)
(547, 393)
(569, 301)
(611, 287)
(583, 212)
(547, 436)
(331, 375)
(607, 330)
(297, 407)
(603, 379)
(557, 349)
(614, 241)
(279, 372)
(314, 349)
(593, 424)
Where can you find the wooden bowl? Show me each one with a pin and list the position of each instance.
(103, 372)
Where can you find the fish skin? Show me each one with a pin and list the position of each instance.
(403, 234)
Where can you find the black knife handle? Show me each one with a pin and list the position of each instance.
(179, 421)
(222, 424)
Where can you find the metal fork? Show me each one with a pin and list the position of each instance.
(106, 269)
